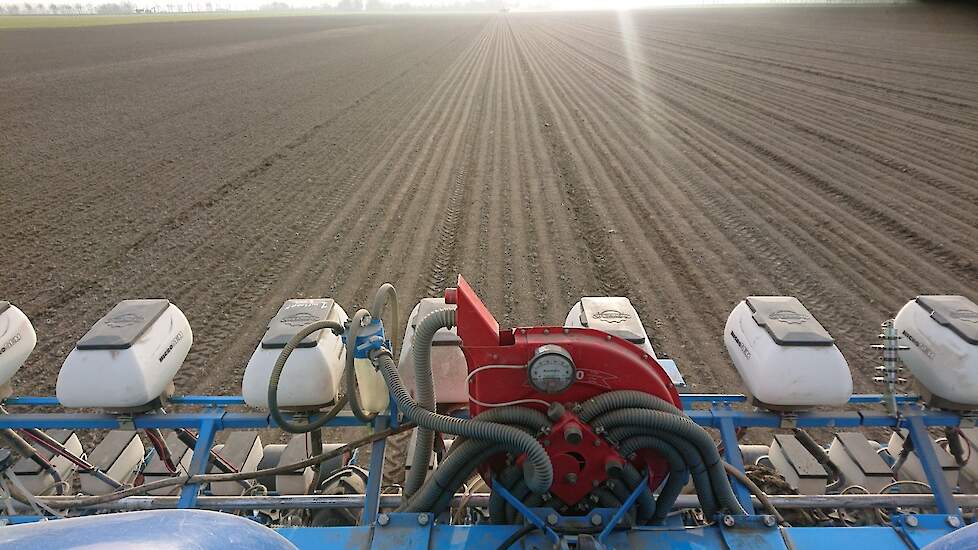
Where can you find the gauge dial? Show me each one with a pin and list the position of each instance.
(551, 370)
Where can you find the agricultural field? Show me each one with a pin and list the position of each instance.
(683, 158)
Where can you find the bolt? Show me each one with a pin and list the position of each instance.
(423, 519)
(769, 521)
(954, 521)
(597, 443)
(912, 520)
(596, 520)
(383, 519)
(571, 478)
(555, 411)
(572, 434)
(729, 521)
(545, 442)
(552, 519)
(614, 467)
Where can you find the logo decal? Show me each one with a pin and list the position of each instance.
(299, 319)
(741, 345)
(966, 315)
(173, 343)
(611, 316)
(595, 378)
(124, 320)
(10, 343)
(790, 317)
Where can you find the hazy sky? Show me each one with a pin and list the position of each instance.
(517, 4)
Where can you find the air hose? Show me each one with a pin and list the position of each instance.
(538, 469)
(476, 453)
(656, 422)
(677, 470)
(424, 385)
(273, 380)
(694, 462)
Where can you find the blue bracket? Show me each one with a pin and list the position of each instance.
(751, 533)
(919, 530)
(623, 509)
(943, 494)
(401, 531)
(526, 512)
(202, 450)
(375, 474)
(731, 452)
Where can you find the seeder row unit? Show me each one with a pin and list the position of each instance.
(575, 435)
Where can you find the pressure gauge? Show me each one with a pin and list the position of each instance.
(551, 370)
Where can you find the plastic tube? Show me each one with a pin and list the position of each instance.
(424, 386)
(387, 296)
(349, 372)
(538, 469)
(276, 375)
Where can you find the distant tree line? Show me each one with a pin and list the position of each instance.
(394, 5)
(40, 8)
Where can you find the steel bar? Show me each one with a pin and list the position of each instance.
(477, 500)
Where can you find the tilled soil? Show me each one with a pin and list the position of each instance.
(683, 158)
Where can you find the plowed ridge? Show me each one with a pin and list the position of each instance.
(683, 158)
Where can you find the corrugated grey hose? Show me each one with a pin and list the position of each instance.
(273, 380)
(538, 470)
(424, 386)
(657, 422)
(689, 454)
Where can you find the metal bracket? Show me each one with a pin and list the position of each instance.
(397, 531)
(623, 509)
(751, 532)
(126, 422)
(789, 420)
(526, 512)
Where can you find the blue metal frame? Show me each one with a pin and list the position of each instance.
(710, 411)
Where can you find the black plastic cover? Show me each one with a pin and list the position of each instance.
(123, 325)
(292, 317)
(863, 454)
(26, 466)
(801, 460)
(4, 305)
(236, 449)
(110, 448)
(954, 312)
(787, 321)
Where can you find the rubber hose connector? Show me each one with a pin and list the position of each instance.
(424, 386)
(538, 469)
